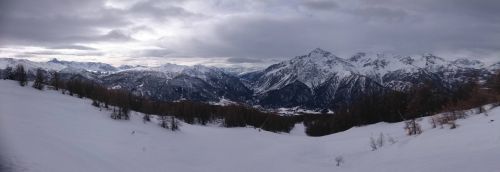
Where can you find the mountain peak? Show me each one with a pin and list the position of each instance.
(319, 52)
(54, 60)
(357, 56)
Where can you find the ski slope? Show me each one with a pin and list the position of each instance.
(46, 131)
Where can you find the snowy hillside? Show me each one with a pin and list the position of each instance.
(48, 131)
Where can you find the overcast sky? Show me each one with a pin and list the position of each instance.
(244, 32)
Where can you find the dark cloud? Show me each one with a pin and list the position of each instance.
(396, 26)
(52, 22)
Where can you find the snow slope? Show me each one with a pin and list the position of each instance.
(48, 131)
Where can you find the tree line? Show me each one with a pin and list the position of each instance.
(393, 106)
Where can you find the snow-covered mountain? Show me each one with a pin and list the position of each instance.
(174, 82)
(59, 65)
(166, 82)
(29, 65)
(88, 66)
(320, 79)
(316, 80)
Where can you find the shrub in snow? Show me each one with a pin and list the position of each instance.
(434, 121)
(95, 103)
(452, 124)
(174, 124)
(449, 118)
(146, 118)
(373, 144)
(391, 140)
(380, 140)
(339, 160)
(412, 127)
(163, 121)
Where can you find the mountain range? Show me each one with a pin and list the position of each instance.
(315, 80)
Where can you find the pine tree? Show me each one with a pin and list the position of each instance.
(55, 82)
(495, 82)
(20, 75)
(39, 79)
(8, 73)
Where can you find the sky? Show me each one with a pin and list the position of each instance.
(244, 32)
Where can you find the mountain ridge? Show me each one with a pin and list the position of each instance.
(317, 79)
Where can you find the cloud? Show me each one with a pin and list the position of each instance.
(243, 60)
(250, 31)
(58, 53)
(73, 47)
(113, 35)
(50, 22)
(157, 10)
(153, 53)
(320, 4)
(381, 13)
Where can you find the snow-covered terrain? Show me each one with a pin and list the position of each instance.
(48, 131)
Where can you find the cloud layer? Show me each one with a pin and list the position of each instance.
(246, 32)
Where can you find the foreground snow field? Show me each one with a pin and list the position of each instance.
(50, 132)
